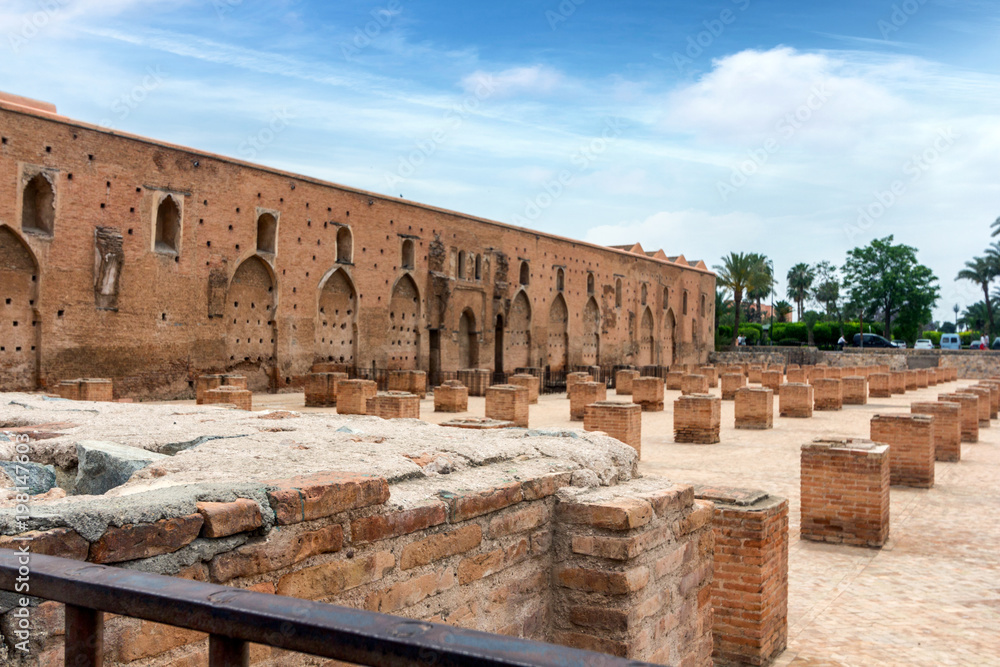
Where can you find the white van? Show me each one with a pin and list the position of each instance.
(951, 342)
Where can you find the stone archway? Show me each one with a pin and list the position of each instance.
(592, 333)
(558, 334)
(336, 320)
(20, 331)
(647, 356)
(404, 325)
(670, 338)
(468, 341)
(251, 335)
(517, 338)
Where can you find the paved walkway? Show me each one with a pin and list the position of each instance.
(931, 596)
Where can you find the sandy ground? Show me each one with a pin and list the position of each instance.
(931, 596)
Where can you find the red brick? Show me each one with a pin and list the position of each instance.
(145, 540)
(440, 545)
(224, 519)
(324, 494)
(470, 505)
(609, 582)
(62, 542)
(617, 514)
(384, 526)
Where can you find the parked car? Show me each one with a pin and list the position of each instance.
(951, 342)
(901, 344)
(871, 340)
(996, 344)
(927, 344)
(976, 345)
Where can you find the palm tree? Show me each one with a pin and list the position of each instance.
(982, 271)
(996, 227)
(800, 280)
(975, 317)
(782, 309)
(739, 273)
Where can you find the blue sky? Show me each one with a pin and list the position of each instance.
(799, 130)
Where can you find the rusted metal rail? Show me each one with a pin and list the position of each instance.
(233, 618)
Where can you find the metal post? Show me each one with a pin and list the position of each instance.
(84, 637)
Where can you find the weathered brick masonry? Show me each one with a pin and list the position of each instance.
(585, 393)
(451, 398)
(697, 419)
(754, 408)
(622, 421)
(911, 447)
(947, 428)
(267, 272)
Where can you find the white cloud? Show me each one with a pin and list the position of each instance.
(534, 80)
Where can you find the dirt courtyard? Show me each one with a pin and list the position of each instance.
(930, 596)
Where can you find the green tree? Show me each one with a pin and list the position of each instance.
(739, 273)
(762, 284)
(782, 309)
(886, 280)
(828, 288)
(948, 327)
(800, 279)
(810, 317)
(723, 309)
(975, 317)
(982, 271)
(996, 227)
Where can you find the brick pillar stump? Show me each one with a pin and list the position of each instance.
(910, 380)
(878, 385)
(985, 397)
(204, 383)
(796, 376)
(529, 382)
(97, 390)
(994, 387)
(816, 373)
(753, 374)
(897, 382)
(911, 448)
(694, 384)
(921, 375)
(697, 419)
(394, 405)
(475, 379)
(231, 380)
(845, 492)
(969, 413)
(754, 408)
(647, 393)
(622, 421)
(947, 428)
(772, 379)
(411, 382)
(585, 393)
(674, 380)
(750, 582)
(623, 381)
(448, 398)
(795, 400)
(829, 394)
(573, 378)
(353, 395)
(730, 383)
(833, 373)
(507, 402)
(855, 390)
(321, 389)
(712, 373)
(69, 389)
(241, 399)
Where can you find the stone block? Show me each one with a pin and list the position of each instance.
(878, 385)
(771, 379)
(203, 384)
(475, 379)
(897, 382)
(674, 380)
(730, 383)
(694, 384)
(241, 399)
(712, 374)
(105, 465)
(573, 378)
(623, 381)
(410, 382)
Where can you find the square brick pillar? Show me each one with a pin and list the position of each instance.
(697, 419)
(994, 387)
(730, 383)
(694, 384)
(507, 402)
(674, 380)
(623, 381)
(796, 376)
(921, 378)
(845, 492)
(750, 582)
(585, 393)
(69, 389)
(829, 394)
(647, 393)
(754, 408)
(321, 389)
(771, 379)
(231, 380)
(855, 390)
(449, 398)
(753, 374)
(206, 382)
(632, 573)
(947, 428)
(475, 379)
(910, 380)
(712, 373)
(622, 421)
(795, 400)
(968, 415)
(240, 398)
(815, 373)
(394, 405)
(985, 396)
(572, 379)
(353, 395)
(911, 442)
(529, 382)
(411, 382)
(878, 385)
(97, 390)
(897, 382)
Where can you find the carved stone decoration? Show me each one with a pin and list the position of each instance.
(109, 258)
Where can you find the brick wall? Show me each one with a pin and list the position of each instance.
(855, 390)
(845, 492)
(911, 447)
(947, 428)
(985, 399)
(674, 380)
(411, 382)
(693, 383)
(771, 379)
(712, 373)
(476, 379)
(878, 385)
(529, 382)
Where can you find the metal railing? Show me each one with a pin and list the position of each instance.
(233, 618)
